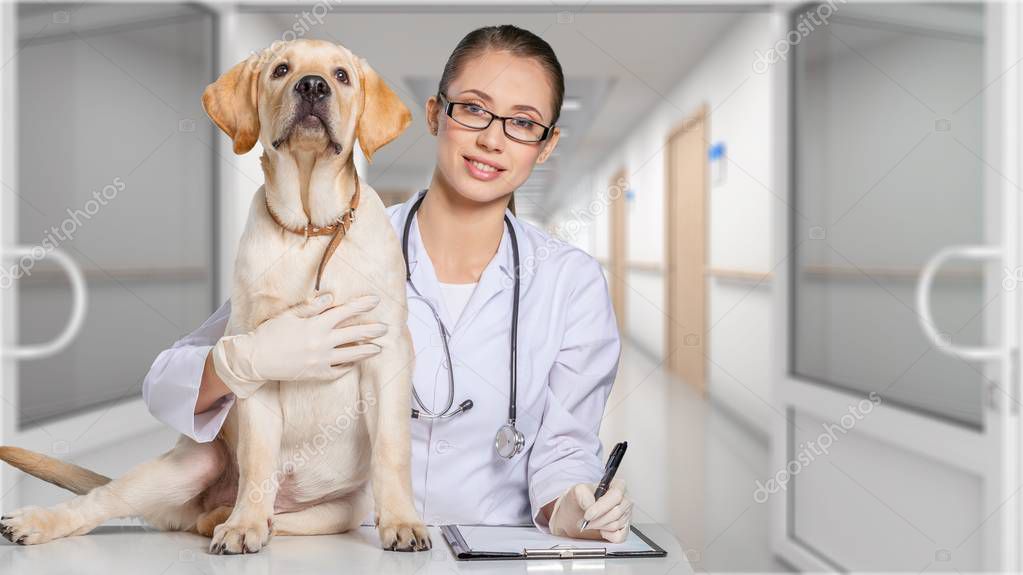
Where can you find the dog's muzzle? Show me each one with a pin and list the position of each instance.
(313, 92)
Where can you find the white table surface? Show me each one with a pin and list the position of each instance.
(138, 549)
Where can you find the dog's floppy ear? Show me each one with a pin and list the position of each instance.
(231, 103)
(383, 117)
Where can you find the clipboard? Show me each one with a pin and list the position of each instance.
(535, 545)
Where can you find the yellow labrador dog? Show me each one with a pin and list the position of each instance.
(297, 458)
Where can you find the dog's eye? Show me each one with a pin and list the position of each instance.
(341, 75)
(280, 70)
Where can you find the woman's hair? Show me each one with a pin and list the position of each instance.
(519, 42)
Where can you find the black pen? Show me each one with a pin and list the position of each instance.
(609, 473)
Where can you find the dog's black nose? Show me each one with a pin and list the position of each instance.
(312, 88)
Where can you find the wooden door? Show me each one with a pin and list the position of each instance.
(617, 253)
(686, 250)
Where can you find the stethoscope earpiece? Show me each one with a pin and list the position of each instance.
(509, 440)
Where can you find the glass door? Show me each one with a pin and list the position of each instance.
(898, 452)
(108, 209)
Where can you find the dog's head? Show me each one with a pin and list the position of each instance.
(306, 94)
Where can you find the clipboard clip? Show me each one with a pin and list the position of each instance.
(559, 552)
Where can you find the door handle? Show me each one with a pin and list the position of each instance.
(923, 300)
(78, 302)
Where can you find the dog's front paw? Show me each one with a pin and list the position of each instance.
(33, 525)
(407, 536)
(236, 537)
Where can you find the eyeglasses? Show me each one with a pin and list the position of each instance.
(478, 118)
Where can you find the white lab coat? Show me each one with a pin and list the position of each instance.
(568, 352)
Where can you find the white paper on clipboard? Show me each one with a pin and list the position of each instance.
(513, 539)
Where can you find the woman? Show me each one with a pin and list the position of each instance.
(460, 256)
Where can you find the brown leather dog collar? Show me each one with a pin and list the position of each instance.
(337, 229)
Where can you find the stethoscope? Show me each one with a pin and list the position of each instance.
(509, 441)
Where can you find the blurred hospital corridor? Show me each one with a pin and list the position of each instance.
(808, 218)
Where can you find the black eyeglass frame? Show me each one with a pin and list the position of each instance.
(450, 106)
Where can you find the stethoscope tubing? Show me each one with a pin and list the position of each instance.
(513, 367)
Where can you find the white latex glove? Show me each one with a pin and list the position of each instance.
(609, 517)
(300, 343)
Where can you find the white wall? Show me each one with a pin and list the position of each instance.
(739, 226)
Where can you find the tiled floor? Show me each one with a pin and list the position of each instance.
(690, 466)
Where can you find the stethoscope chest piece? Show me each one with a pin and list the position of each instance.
(509, 441)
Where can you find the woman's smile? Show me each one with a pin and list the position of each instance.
(484, 171)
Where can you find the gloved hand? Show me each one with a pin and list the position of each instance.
(609, 516)
(300, 343)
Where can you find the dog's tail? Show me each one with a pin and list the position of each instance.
(67, 475)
